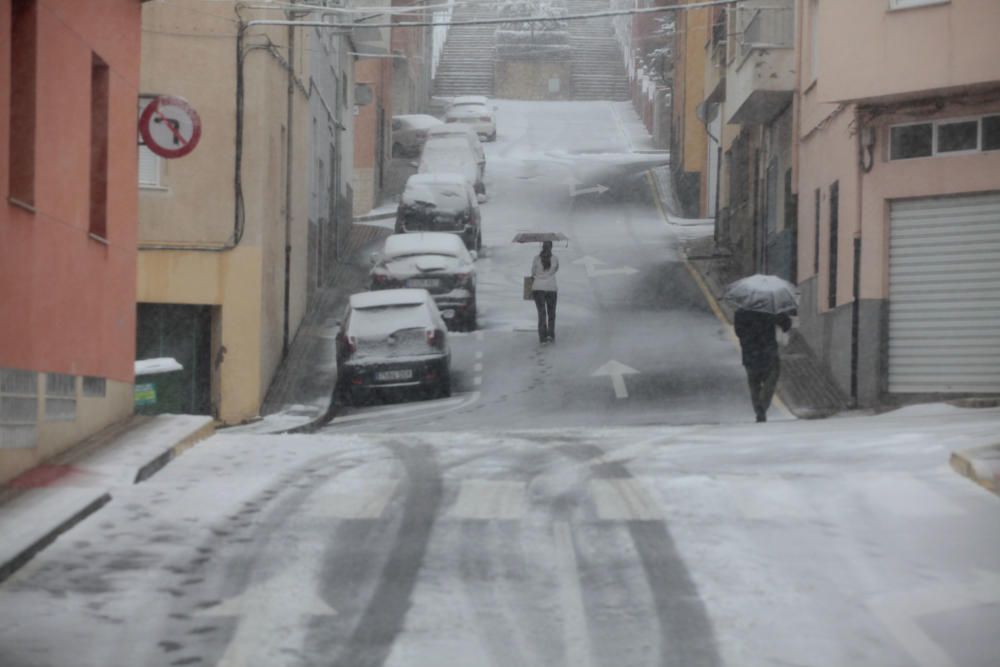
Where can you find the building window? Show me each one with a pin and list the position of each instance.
(95, 387)
(959, 136)
(100, 81)
(991, 133)
(60, 397)
(813, 40)
(23, 100)
(149, 162)
(834, 242)
(18, 408)
(910, 141)
(944, 137)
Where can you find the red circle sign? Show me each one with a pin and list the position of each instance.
(170, 127)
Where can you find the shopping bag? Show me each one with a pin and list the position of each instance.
(529, 283)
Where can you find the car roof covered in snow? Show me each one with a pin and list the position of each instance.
(446, 192)
(419, 120)
(470, 99)
(450, 130)
(469, 110)
(389, 297)
(430, 243)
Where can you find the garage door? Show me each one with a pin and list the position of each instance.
(944, 295)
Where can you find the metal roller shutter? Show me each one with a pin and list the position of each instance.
(944, 295)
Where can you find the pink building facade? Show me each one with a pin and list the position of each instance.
(68, 211)
(897, 166)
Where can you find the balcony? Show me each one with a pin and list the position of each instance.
(760, 73)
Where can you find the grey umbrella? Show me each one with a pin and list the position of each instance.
(539, 237)
(761, 293)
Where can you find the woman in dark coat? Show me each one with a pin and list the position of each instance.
(760, 354)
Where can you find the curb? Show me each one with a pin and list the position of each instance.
(97, 499)
(157, 464)
(981, 465)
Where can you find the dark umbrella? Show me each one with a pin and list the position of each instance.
(763, 294)
(539, 237)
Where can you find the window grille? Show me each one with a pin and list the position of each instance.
(18, 408)
(60, 397)
(94, 387)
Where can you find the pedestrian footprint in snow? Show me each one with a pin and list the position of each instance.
(544, 291)
(756, 331)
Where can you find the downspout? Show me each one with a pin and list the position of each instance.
(866, 144)
(289, 145)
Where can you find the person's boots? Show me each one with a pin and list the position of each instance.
(761, 416)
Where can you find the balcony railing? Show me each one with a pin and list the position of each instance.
(766, 27)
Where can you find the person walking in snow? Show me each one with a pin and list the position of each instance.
(544, 291)
(756, 331)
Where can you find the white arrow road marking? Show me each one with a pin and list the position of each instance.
(617, 372)
(271, 613)
(901, 613)
(575, 191)
(591, 264)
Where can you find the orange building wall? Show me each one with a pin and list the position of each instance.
(67, 302)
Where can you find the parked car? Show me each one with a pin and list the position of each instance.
(437, 262)
(441, 203)
(392, 339)
(480, 117)
(452, 156)
(459, 130)
(481, 100)
(409, 132)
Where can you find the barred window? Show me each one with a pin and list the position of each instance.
(60, 397)
(18, 408)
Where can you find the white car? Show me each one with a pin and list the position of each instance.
(437, 262)
(392, 339)
(480, 117)
(410, 131)
(452, 156)
(481, 100)
(456, 130)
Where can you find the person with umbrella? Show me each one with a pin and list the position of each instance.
(544, 291)
(762, 304)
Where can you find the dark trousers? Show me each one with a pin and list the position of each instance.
(545, 302)
(763, 380)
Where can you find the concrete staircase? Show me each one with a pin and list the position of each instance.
(598, 66)
(466, 66)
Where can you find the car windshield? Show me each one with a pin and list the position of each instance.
(386, 320)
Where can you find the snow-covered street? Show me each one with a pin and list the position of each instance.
(603, 501)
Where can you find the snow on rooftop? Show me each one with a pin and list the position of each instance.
(157, 366)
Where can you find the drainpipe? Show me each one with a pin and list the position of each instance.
(862, 169)
(289, 144)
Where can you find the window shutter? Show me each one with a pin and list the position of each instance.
(149, 167)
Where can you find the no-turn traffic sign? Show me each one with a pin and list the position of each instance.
(169, 126)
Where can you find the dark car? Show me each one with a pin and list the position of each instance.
(392, 339)
(434, 261)
(441, 203)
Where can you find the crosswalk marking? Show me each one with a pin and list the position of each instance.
(489, 499)
(365, 501)
(623, 500)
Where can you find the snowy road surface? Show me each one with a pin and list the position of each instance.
(539, 516)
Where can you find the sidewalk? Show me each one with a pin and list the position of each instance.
(805, 385)
(301, 392)
(44, 502)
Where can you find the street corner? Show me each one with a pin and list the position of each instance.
(980, 464)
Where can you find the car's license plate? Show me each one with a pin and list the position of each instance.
(385, 376)
(424, 282)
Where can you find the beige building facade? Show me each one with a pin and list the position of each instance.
(224, 231)
(898, 180)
